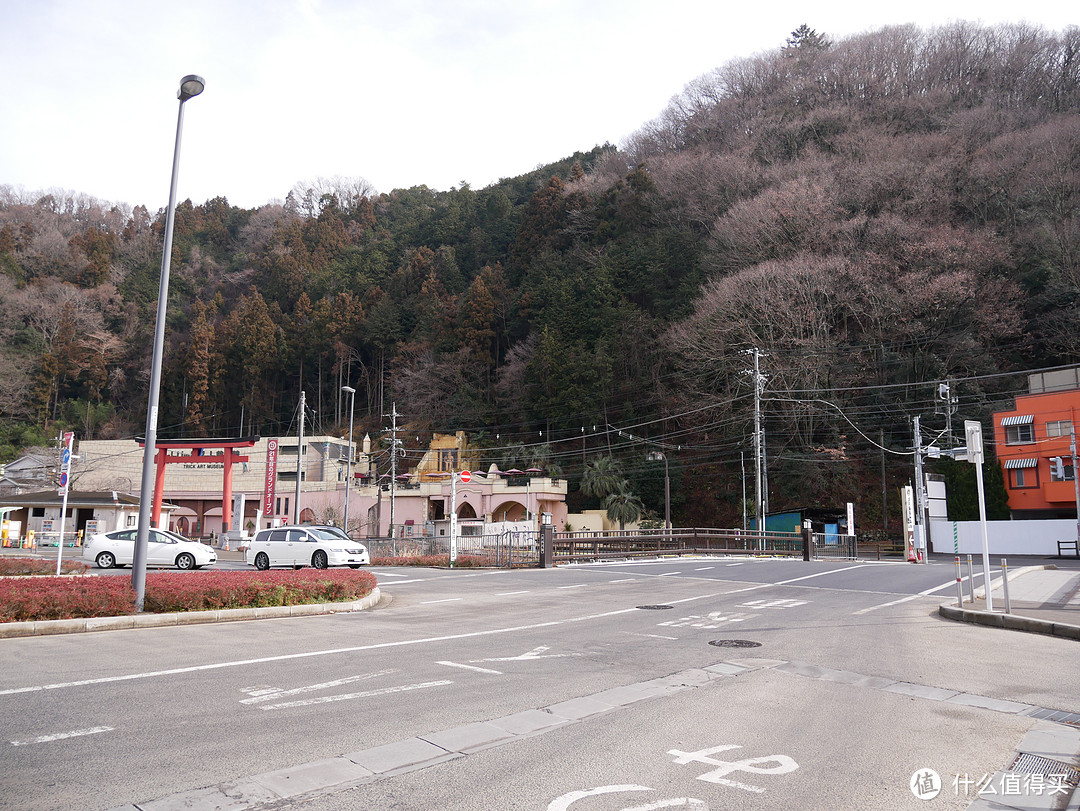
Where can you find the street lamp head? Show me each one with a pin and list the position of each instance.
(348, 389)
(190, 86)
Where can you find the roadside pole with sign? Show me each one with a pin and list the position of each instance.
(466, 477)
(65, 472)
(907, 502)
(1076, 479)
(973, 434)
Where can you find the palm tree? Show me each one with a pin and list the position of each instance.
(601, 477)
(623, 506)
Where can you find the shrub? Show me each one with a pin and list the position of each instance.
(49, 598)
(462, 562)
(20, 567)
(57, 598)
(204, 591)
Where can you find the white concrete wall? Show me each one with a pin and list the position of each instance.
(1034, 537)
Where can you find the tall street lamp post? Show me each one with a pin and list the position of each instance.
(656, 456)
(190, 86)
(348, 468)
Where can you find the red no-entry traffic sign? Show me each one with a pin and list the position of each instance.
(465, 476)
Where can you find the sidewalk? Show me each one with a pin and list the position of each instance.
(1043, 599)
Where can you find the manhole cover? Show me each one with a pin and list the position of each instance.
(654, 607)
(735, 643)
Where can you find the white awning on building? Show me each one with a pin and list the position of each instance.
(1023, 419)
(1014, 464)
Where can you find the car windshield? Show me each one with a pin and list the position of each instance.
(329, 534)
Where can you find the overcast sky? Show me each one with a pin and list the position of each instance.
(432, 92)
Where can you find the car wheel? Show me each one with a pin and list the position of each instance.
(354, 565)
(185, 560)
(106, 560)
(262, 561)
(318, 560)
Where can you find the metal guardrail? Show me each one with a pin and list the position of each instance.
(523, 548)
(506, 549)
(611, 544)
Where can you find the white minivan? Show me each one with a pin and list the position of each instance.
(318, 546)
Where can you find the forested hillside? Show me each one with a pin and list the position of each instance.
(876, 214)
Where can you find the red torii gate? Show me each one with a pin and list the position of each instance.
(194, 455)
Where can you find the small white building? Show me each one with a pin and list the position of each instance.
(87, 513)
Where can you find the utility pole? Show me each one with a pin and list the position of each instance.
(348, 468)
(299, 460)
(742, 467)
(920, 493)
(759, 445)
(394, 442)
(884, 487)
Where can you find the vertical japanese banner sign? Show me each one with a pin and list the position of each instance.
(907, 499)
(271, 477)
(65, 462)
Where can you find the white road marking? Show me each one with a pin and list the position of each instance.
(654, 636)
(575, 586)
(907, 599)
(627, 580)
(271, 694)
(669, 574)
(447, 600)
(59, 736)
(348, 696)
(884, 605)
(510, 593)
(946, 585)
(821, 574)
(260, 690)
(706, 568)
(773, 603)
(329, 652)
(784, 765)
(565, 801)
(535, 653)
(713, 620)
(736, 564)
(471, 667)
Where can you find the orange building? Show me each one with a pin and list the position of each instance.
(1033, 446)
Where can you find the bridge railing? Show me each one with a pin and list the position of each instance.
(586, 545)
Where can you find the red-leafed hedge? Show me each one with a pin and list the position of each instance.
(59, 598)
(205, 591)
(50, 598)
(431, 561)
(19, 567)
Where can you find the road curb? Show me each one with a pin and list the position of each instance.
(88, 624)
(1010, 621)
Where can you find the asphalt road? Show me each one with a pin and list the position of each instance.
(854, 686)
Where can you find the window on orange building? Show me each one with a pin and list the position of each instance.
(1058, 428)
(1019, 434)
(1023, 478)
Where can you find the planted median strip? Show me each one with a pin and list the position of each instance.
(36, 599)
